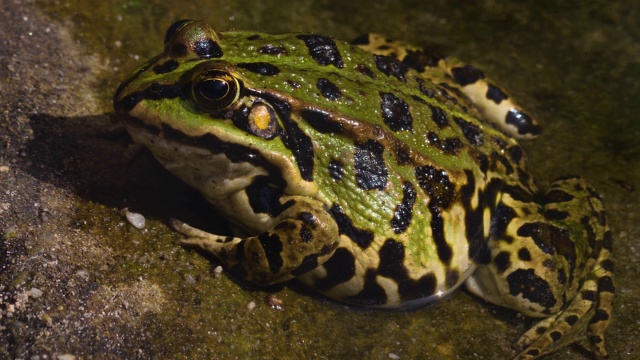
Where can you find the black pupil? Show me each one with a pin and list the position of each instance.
(214, 89)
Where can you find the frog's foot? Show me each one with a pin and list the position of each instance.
(562, 329)
(590, 308)
(304, 236)
(554, 262)
(592, 304)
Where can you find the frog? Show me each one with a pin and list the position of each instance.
(373, 172)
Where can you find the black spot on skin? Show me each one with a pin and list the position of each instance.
(502, 261)
(466, 75)
(436, 184)
(154, 92)
(390, 66)
(272, 50)
(372, 293)
(495, 94)
(556, 196)
(471, 132)
(425, 90)
(294, 84)
(524, 254)
(515, 153)
(572, 319)
(443, 249)
(439, 117)
(605, 284)
(363, 69)
(500, 220)
(307, 264)
(207, 48)
(403, 156)
(391, 260)
(449, 146)
(533, 353)
(451, 278)
(483, 162)
(395, 112)
(555, 335)
(178, 50)
(328, 89)
(336, 169)
(321, 121)
(500, 142)
(522, 122)
(607, 241)
(419, 60)
(541, 330)
(306, 235)
(360, 40)
(166, 67)
(588, 295)
(362, 238)
(552, 214)
(595, 339)
(264, 197)
(562, 277)
(254, 37)
(308, 219)
(607, 265)
(404, 211)
(600, 315)
(340, 268)
(531, 287)
(272, 248)
(323, 50)
(371, 171)
(261, 68)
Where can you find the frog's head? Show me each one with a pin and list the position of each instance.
(206, 93)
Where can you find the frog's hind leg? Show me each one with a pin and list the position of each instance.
(457, 80)
(304, 236)
(551, 261)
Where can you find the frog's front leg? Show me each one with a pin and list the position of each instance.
(304, 236)
(554, 261)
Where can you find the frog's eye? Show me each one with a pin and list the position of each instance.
(215, 90)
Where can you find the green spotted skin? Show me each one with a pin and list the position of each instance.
(374, 173)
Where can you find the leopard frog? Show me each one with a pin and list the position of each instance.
(374, 173)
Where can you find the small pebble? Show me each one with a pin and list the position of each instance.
(66, 357)
(136, 219)
(35, 293)
(83, 274)
(217, 271)
(273, 302)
